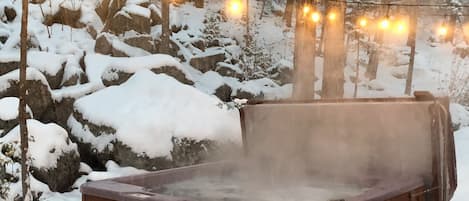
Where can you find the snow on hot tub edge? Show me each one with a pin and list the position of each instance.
(149, 110)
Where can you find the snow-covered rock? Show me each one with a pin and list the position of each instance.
(38, 97)
(69, 14)
(10, 13)
(49, 64)
(142, 41)
(54, 158)
(152, 121)
(121, 69)
(208, 60)
(229, 70)
(129, 19)
(9, 61)
(9, 114)
(155, 15)
(107, 43)
(282, 72)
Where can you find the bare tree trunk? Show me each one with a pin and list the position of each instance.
(334, 53)
(166, 31)
(372, 68)
(199, 3)
(304, 77)
(262, 9)
(451, 28)
(373, 63)
(25, 184)
(323, 29)
(289, 12)
(412, 41)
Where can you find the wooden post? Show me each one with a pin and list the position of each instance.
(334, 51)
(25, 184)
(305, 54)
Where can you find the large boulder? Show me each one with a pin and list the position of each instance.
(282, 72)
(68, 14)
(213, 83)
(208, 60)
(73, 75)
(155, 15)
(38, 97)
(142, 41)
(50, 65)
(157, 126)
(9, 114)
(120, 70)
(55, 159)
(229, 70)
(106, 9)
(103, 44)
(8, 66)
(109, 44)
(130, 17)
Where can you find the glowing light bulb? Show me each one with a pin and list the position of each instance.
(332, 16)
(362, 22)
(443, 30)
(235, 6)
(306, 10)
(315, 17)
(401, 27)
(384, 24)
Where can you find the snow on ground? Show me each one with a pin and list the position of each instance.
(462, 159)
(152, 109)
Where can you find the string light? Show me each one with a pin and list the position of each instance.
(401, 27)
(332, 16)
(235, 6)
(443, 30)
(385, 24)
(306, 10)
(362, 22)
(315, 17)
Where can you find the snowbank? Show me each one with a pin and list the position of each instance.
(149, 109)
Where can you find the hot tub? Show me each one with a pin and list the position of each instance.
(398, 149)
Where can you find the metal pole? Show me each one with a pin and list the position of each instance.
(247, 24)
(357, 72)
